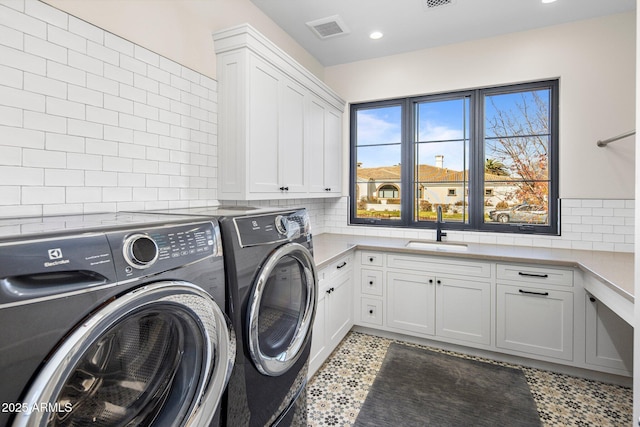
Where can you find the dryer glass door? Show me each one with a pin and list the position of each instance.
(159, 355)
(281, 309)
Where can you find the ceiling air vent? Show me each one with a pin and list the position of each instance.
(328, 27)
(430, 4)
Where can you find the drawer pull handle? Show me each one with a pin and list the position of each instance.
(330, 290)
(341, 265)
(544, 294)
(542, 276)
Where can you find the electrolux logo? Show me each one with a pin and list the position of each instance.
(55, 255)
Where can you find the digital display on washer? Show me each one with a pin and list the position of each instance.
(147, 251)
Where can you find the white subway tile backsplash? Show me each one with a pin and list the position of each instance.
(21, 137)
(64, 108)
(42, 195)
(84, 128)
(20, 175)
(11, 77)
(102, 53)
(86, 30)
(47, 13)
(113, 133)
(22, 22)
(9, 195)
(10, 116)
(11, 38)
(100, 179)
(46, 122)
(44, 49)
(83, 195)
(12, 97)
(63, 177)
(10, 156)
(118, 74)
(43, 158)
(66, 39)
(117, 164)
(22, 61)
(85, 96)
(118, 44)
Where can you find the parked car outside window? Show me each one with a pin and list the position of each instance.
(531, 214)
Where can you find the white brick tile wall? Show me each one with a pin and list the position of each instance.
(588, 224)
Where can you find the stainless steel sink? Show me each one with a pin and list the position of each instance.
(437, 246)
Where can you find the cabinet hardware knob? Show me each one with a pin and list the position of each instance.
(430, 280)
(542, 276)
(371, 282)
(370, 259)
(328, 291)
(341, 265)
(544, 294)
(439, 282)
(370, 311)
(592, 299)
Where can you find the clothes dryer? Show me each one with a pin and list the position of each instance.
(112, 319)
(271, 300)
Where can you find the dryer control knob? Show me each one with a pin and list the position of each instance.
(140, 251)
(282, 224)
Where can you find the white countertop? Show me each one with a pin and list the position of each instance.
(614, 269)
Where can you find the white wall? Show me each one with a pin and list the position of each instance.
(181, 30)
(595, 61)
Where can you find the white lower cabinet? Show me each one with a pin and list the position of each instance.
(334, 312)
(463, 310)
(411, 300)
(443, 306)
(609, 339)
(536, 321)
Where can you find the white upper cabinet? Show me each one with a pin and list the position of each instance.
(280, 128)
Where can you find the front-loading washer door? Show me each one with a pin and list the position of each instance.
(160, 355)
(281, 309)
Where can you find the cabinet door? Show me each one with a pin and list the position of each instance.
(340, 308)
(315, 138)
(411, 302)
(262, 125)
(324, 133)
(291, 149)
(609, 339)
(463, 310)
(318, 335)
(333, 152)
(535, 320)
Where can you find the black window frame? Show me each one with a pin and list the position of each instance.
(476, 184)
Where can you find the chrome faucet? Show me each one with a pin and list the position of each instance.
(439, 222)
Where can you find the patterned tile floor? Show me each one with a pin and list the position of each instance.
(339, 388)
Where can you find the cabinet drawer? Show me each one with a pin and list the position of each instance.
(371, 282)
(439, 265)
(535, 275)
(371, 258)
(371, 311)
(342, 265)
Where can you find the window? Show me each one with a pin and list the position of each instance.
(487, 156)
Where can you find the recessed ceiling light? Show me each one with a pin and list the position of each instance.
(548, 1)
(376, 35)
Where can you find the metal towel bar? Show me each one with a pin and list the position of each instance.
(604, 142)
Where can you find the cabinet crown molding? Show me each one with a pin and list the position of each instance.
(245, 36)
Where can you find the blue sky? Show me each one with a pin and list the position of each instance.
(442, 123)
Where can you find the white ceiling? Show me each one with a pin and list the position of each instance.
(408, 25)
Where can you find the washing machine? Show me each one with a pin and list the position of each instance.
(271, 300)
(113, 319)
